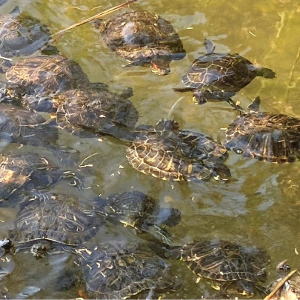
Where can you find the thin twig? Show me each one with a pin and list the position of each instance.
(280, 284)
(56, 35)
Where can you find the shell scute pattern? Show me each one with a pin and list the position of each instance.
(142, 37)
(267, 136)
(171, 154)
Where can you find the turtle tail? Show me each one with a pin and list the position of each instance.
(266, 73)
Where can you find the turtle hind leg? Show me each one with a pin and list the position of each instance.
(266, 73)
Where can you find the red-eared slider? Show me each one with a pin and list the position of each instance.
(290, 289)
(20, 126)
(138, 210)
(227, 264)
(28, 171)
(267, 136)
(96, 110)
(220, 75)
(113, 270)
(142, 37)
(45, 74)
(21, 35)
(168, 153)
(47, 220)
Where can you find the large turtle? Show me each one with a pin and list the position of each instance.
(45, 74)
(50, 220)
(96, 110)
(266, 136)
(142, 37)
(138, 210)
(18, 125)
(168, 153)
(226, 264)
(220, 75)
(21, 35)
(115, 270)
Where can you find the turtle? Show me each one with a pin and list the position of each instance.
(266, 136)
(18, 125)
(21, 35)
(225, 264)
(141, 38)
(218, 76)
(96, 110)
(138, 210)
(116, 270)
(45, 74)
(49, 220)
(167, 153)
(21, 172)
(290, 288)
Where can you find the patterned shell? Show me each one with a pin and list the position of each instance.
(267, 136)
(140, 36)
(170, 154)
(117, 271)
(98, 111)
(224, 261)
(18, 125)
(21, 35)
(40, 74)
(53, 217)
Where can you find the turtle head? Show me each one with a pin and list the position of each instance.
(222, 172)
(161, 65)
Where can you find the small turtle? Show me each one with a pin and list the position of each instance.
(138, 210)
(47, 220)
(45, 74)
(168, 153)
(226, 264)
(28, 171)
(290, 289)
(266, 136)
(220, 75)
(96, 110)
(21, 35)
(113, 270)
(142, 38)
(18, 125)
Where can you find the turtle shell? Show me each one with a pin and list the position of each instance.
(114, 270)
(57, 218)
(267, 136)
(41, 74)
(21, 35)
(138, 210)
(220, 75)
(226, 263)
(142, 37)
(98, 111)
(171, 154)
(18, 125)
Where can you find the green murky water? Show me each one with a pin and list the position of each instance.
(260, 205)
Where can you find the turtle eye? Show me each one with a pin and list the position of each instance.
(238, 151)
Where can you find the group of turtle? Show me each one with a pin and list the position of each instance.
(48, 221)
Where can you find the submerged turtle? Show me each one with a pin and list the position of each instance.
(118, 271)
(168, 153)
(267, 136)
(48, 220)
(220, 75)
(290, 289)
(142, 37)
(45, 74)
(96, 110)
(28, 171)
(21, 35)
(138, 210)
(227, 264)
(18, 125)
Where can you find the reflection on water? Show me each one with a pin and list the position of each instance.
(259, 205)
